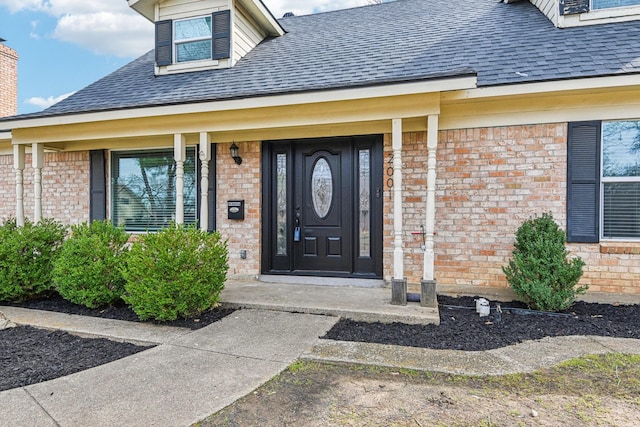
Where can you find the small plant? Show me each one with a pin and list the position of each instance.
(177, 272)
(26, 258)
(540, 272)
(88, 268)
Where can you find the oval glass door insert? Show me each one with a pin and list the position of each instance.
(322, 187)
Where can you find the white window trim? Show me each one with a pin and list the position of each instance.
(604, 180)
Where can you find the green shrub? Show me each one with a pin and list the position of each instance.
(26, 258)
(540, 272)
(177, 272)
(88, 268)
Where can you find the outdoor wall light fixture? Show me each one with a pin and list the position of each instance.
(235, 154)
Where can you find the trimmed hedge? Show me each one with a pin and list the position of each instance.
(26, 258)
(176, 272)
(88, 268)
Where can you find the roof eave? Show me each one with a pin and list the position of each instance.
(432, 85)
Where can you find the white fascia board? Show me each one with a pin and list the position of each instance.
(544, 87)
(5, 135)
(145, 8)
(264, 16)
(371, 92)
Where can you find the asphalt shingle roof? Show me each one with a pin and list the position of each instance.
(404, 40)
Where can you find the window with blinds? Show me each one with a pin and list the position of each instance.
(143, 189)
(621, 180)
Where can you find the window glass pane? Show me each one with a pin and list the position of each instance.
(143, 189)
(621, 210)
(193, 51)
(604, 4)
(281, 191)
(322, 188)
(364, 209)
(193, 28)
(621, 149)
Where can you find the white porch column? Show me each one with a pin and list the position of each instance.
(18, 165)
(180, 155)
(37, 161)
(205, 158)
(399, 283)
(428, 297)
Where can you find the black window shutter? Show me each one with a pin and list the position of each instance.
(164, 42)
(97, 186)
(221, 43)
(573, 7)
(212, 190)
(583, 182)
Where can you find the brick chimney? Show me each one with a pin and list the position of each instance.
(8, 81)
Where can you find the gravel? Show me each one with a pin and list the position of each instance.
(29, 355)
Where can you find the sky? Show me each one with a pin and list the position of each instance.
(65, 45)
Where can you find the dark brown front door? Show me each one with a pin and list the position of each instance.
(323, 207)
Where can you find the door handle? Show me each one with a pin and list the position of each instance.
(296, 230)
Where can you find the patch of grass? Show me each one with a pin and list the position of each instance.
(589, 378)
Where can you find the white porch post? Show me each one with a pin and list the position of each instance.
(205, 158)
(18, 165)
(428, 297)
(398, 283)
(180, 154)
(37, 161)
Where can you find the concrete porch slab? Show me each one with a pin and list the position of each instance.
(368, 304)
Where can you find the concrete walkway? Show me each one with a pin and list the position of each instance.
(187, 377)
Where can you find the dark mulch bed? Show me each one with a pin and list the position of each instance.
(120, 311)
(461, 328)
(29, 355)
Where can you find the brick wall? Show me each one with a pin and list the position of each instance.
(8, 81)
(489, 181)
(240, 182)
(65, 187)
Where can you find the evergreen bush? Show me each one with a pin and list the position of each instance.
(176, 272)
(88, 268)
(26, 258)
(540, 272)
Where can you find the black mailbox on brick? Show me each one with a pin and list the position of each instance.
(235, 209)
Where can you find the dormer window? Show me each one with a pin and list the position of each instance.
(606, 4)
(193, 39)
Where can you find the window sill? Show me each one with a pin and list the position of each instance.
(184, 67)
(620, 248)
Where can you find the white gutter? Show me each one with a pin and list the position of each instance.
(542, 87)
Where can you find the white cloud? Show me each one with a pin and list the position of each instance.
(43, 103)
(107, 33)
(106, 27)
(280, 7)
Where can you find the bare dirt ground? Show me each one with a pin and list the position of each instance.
(579, 393)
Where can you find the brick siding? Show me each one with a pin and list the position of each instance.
(240, 182)
(65, 187)
(489, 181)
(8, 81)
